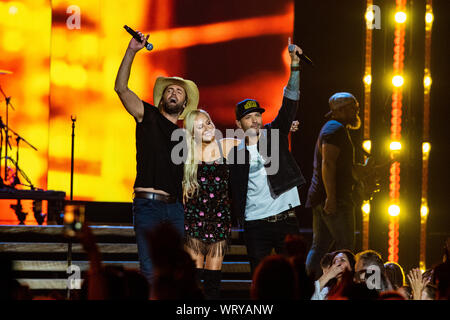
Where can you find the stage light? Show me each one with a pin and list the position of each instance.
(395, 146)
(422, 267)
(394, 210)
(367, 145)
(368, 79)
(426, 147)
(427, 81)
(397, 81)
(370, 16)
(424, 211)
(366, 207)
(400, 17)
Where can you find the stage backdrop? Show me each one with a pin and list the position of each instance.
(64, 56)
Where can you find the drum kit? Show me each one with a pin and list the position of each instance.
(11, 175)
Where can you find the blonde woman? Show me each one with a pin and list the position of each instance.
(206, 199)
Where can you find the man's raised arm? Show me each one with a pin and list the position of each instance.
(288, 110)
(292, 90)
(132, 103)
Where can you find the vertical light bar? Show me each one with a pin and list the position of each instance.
(426, 146)
(367, 79)
(396, 127)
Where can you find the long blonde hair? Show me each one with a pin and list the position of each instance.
(190, 183)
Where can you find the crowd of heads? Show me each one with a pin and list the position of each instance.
(348, 276)
(361, 276)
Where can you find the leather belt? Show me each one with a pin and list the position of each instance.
(281, 216)
(154, 196)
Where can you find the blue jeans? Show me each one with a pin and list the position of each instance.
(148, 214)
(337, 229)
(262, 236)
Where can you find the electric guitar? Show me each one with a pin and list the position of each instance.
(367, 177)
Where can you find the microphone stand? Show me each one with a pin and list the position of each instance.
(16, 162)
(18, 138)
(69, 244)
(74, 119)
(8, 103)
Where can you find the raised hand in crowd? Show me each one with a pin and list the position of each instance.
(418, 283)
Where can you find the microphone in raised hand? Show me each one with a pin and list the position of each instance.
(139, 37)
(302, 56)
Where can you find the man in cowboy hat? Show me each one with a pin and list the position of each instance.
(157, 188)
(330, 193)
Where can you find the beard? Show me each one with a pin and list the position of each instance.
(355, 123)
(171, 108)
(252, 130)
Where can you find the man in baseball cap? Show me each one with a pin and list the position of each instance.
(247, 106)
(330, 192)
(264, 199)
(344, 106)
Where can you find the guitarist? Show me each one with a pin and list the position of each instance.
(330, 193)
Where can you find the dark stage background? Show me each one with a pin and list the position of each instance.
(332, 33)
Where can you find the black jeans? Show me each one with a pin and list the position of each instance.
(262, 236)
(330, 230)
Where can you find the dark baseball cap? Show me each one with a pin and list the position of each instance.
(247, 106)
(339, 100)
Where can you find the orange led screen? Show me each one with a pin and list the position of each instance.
(64, 56)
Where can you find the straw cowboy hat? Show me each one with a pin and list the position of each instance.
(189, 86)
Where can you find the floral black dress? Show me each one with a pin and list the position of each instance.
(208, 215)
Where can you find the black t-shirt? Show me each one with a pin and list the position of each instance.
(155, 168)
(335, 133)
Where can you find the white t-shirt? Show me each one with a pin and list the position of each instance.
(261, 202)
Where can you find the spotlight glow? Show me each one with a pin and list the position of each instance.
(398, 81)
(368, 79)
(424, 211)
(366, 208)
(427, 81)
(426, 147)
(370, 16)
(394, 210)
(367, 145)
(429, 17)
(395, 146)
(400, 17)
